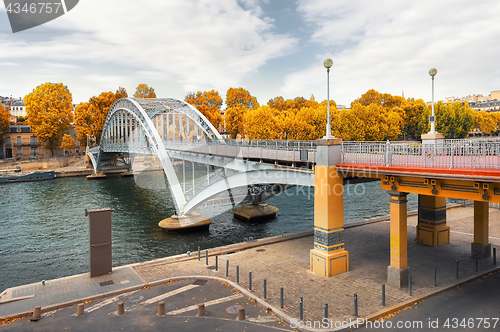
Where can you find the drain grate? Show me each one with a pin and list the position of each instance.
(200, 282)
(106, 283)
(261, 250)
(211, 267)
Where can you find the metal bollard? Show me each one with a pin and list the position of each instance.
(188, 253)
(301, 308)
(281, 297)
(383, 295)
(265, 288)
(355, 305)
(201, 309)
(206, 257)
(250, 280)
(161, 308)
(409, 285)
(476, 264)
(79, 309)
(120, 310)
(241, 313)
(326, 310)
(435, 277)
(457, 268)
(216, 263)
(199, 253)
(227, 268)
(36, 314)
(238, 274)
(495, 253)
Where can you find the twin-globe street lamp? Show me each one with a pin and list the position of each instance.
(328, 63)
(432, 119)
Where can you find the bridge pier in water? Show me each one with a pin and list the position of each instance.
(431, 228)
(328, 258)
(480, 246)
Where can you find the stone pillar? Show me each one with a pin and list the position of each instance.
(398, 271)
(328, 258)
(480, 246)
(432, 138)
(431, 228)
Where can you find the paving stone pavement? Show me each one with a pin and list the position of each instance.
(286, 264)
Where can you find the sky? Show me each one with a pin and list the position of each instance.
(269, 47)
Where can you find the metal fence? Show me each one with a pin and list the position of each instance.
(465, 154)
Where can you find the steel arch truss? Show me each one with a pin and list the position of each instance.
(145, 125)
(250, 179)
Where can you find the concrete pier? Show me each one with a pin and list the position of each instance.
(255, 212)
(187, 222)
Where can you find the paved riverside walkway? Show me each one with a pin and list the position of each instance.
(284, 262)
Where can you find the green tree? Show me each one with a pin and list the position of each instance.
(4, 122)
(143, 91)
(454, 120)
(49, 109)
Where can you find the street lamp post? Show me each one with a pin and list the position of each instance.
(432, 118)
(328, 63)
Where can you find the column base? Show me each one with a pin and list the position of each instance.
(329, 264)
(397, 277)
(433, 236)
(482, 250)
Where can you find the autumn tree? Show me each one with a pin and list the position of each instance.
(411, 113)
(143, 91)
(260, 123)
(67, 143)
(485, 122)
(4, 122)
(49, 109)
(454, 120)
(208, 103)
(91, 116)
(234, 119)
(240, 97)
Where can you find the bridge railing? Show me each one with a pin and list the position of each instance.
(464, 154)
(290, 151)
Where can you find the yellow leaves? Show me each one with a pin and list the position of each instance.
(49, 109)
(208, 103)
(91, 116)
(261, 124)
(4, 122)
(67, 142)
(234, 119)
(143, 91)
(486, 122)
(240, 97)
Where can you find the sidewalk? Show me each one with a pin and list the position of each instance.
(284, 262)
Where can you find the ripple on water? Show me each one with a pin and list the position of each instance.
(45, 232)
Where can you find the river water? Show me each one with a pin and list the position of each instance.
(44, 232)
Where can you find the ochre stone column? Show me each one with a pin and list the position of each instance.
(398, 271)
(480, 246)
(431, 228)
(328, 258)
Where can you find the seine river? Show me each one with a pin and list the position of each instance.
(44, 232)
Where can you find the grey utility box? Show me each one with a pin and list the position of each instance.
(100, 241)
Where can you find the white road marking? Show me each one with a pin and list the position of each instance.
(209, 303)
(169, 294)
(104, 303)
(49, 313)
(491, 237)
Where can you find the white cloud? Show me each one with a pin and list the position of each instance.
(200, 43)
(390, 46)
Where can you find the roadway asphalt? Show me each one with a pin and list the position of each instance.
(472, 306)
(141, 311)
